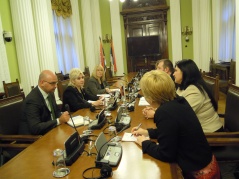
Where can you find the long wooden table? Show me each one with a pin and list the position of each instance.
(36, 160)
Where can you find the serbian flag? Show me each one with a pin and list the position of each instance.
(102, 55)
(112, 57)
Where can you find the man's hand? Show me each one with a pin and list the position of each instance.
(64, 117)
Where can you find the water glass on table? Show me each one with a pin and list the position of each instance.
(59, 161)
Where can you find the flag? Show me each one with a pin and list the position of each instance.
(112, 57)
(102, 55)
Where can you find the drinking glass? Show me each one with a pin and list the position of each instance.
(59, 161)
(106, 105)
(112, 131)
(90, 146)
(114, 135)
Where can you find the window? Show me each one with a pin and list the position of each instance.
(65, 46)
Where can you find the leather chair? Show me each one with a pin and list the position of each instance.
(87, 72)
(223, 83)
(212, 84)
(227, 150)
(109, 76)
(229, 140)
(60, 76)
(86, 81)
(12, 89)
(61, 86)
(10, 142)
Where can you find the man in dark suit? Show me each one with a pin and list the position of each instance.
(40, 112)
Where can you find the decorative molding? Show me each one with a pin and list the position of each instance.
(131, 4)
(145, 18)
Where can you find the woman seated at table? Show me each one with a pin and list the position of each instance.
(193, 88)
(75, 95)
(97, 83)
(180, 138)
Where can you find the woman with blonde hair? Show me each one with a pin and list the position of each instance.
(75, 95)
(179, 135)
(97, 83)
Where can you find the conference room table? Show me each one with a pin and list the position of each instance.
(36, 160)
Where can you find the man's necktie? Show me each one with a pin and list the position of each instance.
(51, 107)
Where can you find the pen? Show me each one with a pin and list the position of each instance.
(137, 128)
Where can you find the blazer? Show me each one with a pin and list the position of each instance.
(179, 136)
(203, 108)
(94, 87)
(36, 117)
(77, 100)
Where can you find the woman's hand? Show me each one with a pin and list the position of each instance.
(148, 112)
(97, 103)
(101, 98)
(138, 132)
(140, 139)
(107, 90)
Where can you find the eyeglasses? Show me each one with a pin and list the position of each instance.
(52, 83)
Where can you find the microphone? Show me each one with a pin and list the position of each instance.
(93, 109)
(73, 149)
(99, 157)
(68, 109)
(83, 138)
(130, 103)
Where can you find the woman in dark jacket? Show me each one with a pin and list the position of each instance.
(76, 96)
(179, 135)
(97, 83)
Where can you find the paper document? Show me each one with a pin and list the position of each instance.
(78, 121)
(128, 137)
(143, 102)
(113, 90)
(104, 95)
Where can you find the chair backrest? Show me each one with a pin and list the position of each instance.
(86, 81)
(60, 76)
(10, 114)
(213, 85)
(108, 73)
(232, 72)
(211, 69)
(61, 86)
(12, 89)
(87, 71)
(231, 111)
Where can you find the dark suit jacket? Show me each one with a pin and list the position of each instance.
(94, 87)
(36, 117)
(77, 100)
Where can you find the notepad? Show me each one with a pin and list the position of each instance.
(128, 137)
(143, 102)
(104, 95)
(78, 121)
(114, 90)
